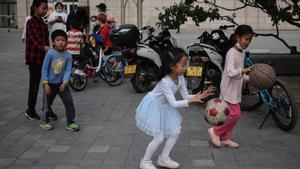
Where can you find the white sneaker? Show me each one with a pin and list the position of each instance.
(167, 162)
(146, 164)
(79, 72)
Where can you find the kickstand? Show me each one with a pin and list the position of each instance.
(263, 122)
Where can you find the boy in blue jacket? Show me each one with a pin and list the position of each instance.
(56, 72)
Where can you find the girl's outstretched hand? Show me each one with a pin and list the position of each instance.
(246, 70)
(202, 95)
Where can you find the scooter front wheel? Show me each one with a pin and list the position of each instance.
(78, 82)
(144, 77)
(139, 85)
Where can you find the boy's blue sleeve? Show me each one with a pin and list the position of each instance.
(68, 70)
(45, 68)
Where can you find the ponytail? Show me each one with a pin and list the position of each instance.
(241, 30)
(31, 11)
(232, 40)
(170, 57)
(164, 68)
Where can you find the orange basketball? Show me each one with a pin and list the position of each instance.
(262, 76)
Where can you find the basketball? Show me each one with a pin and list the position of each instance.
(262, 76)
(216, 112)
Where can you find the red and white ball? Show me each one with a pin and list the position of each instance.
(216, 112)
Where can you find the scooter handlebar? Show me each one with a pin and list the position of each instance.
(224, 27)
(204, 34)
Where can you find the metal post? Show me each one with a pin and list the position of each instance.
(122, 12)
(27, 8)
(123, 7)
(139, 13)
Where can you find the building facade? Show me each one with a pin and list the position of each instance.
(150, 11)
(7, 8)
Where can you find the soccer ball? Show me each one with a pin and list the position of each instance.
(216, 112)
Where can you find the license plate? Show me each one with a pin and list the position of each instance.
(194, 71)
(130, 69)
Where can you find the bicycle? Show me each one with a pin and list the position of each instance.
(109, 68)
(278, 98)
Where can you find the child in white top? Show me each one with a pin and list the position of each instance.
(231, 86)
(157, 116)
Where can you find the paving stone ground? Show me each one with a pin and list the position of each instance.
(109, 138)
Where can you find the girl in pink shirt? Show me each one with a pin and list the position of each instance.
(231, 86)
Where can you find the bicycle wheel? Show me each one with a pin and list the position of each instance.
(114, 70)
(284, 114)
(251, 98)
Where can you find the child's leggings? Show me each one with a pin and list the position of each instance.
(156, 141)
(225, 130)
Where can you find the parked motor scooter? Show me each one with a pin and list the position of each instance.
(206, 60)
(148, 59)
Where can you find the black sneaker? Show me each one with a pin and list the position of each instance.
(32, 115)
(52, 116)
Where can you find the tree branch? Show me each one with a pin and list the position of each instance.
(234, 9)
(292, 23)
(258, 6)
(229, 19)
(295, 2)
(221, 7)
(275, 36)
(277, 29)
(287, 2)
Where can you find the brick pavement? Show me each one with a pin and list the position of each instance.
(109, 138)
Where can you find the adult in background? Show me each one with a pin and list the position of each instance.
(104, 32)
(12, 21)
(25, 23)
(93, 23)
(37, 44)
(58, 19)
(102, 7)
(82, 16)
(111, 21)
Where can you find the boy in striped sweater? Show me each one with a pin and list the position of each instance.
(74, 44)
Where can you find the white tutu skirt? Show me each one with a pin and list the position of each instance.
(155, 118)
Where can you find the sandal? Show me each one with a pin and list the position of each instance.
(230, 144)
(214, 138)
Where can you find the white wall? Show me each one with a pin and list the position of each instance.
(251, 16)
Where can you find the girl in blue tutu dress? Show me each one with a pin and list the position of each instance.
(157, 116)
